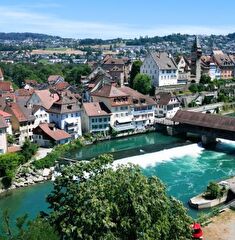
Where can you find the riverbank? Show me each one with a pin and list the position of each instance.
(42, 166)
(221, 227)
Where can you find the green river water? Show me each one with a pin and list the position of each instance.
(186, 169)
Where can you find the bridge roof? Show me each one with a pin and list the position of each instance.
(205, 120)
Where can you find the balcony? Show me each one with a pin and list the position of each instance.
(123, 127)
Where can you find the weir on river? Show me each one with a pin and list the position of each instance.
(186, 169)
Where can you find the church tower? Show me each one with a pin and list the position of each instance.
(196, 54)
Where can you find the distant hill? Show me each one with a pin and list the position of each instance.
(23, 36)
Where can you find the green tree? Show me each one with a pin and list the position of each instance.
(135, 69)
(29, 149)
(214, 190)
(91, 200)
(142, 83)
(38, 229)
(205, 79)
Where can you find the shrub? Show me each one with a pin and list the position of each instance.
(214, 190)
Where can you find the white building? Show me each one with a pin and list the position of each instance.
(130, 109)
(66, 114)
(3, 135)
(161, 67)
(167, 105)
(142, 108)
(214, 72)
(95, 117)
(40, 114)
(46, 135)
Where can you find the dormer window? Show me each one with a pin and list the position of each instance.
(69, 107)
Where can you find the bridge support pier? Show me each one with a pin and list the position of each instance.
(208, 141)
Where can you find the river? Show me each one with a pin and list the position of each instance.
(185, 168)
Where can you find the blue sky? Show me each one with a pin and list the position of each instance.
(120, 18)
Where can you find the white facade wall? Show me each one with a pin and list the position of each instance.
(168, 110)
(150, 68)
(143, 117)
(69, 122)
(3, 140)
(41, 116)
(160, 77)
(214, 71)
(26, 131)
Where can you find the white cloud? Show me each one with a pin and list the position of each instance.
(22, 20)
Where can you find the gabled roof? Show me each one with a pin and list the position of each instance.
(61, 86)
(164, 60)
(135, 95)
(5, 114)
(2, 122)
(56, 134)
(163, 98)
(47, 98)
(6, 86)
(53, 78)
(109, 91)
(96, 109)
(21, 113)
(24, 92)
(222, 59)
(67, 103)
(113, 61)
(36, 108)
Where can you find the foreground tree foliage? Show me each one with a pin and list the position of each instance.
(38, 229)
(91, 200)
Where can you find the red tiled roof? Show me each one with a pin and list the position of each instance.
(24, 92)
(47, 98)
(137, 95)
(114, 61)
(53, 78)
(20, 112)
(109, 91)
(5, 114)
(57, 134)
(30, 82)
(61, 86)
(6, 86)
(96, 109)
(2, 122)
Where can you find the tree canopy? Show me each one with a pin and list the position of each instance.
(91, 200)
(142, 83)
(135, 69)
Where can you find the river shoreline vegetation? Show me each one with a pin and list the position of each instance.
(91, 200)
(10, 162)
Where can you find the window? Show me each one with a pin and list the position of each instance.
(105, 119)
(100, 119)
(92, 120)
